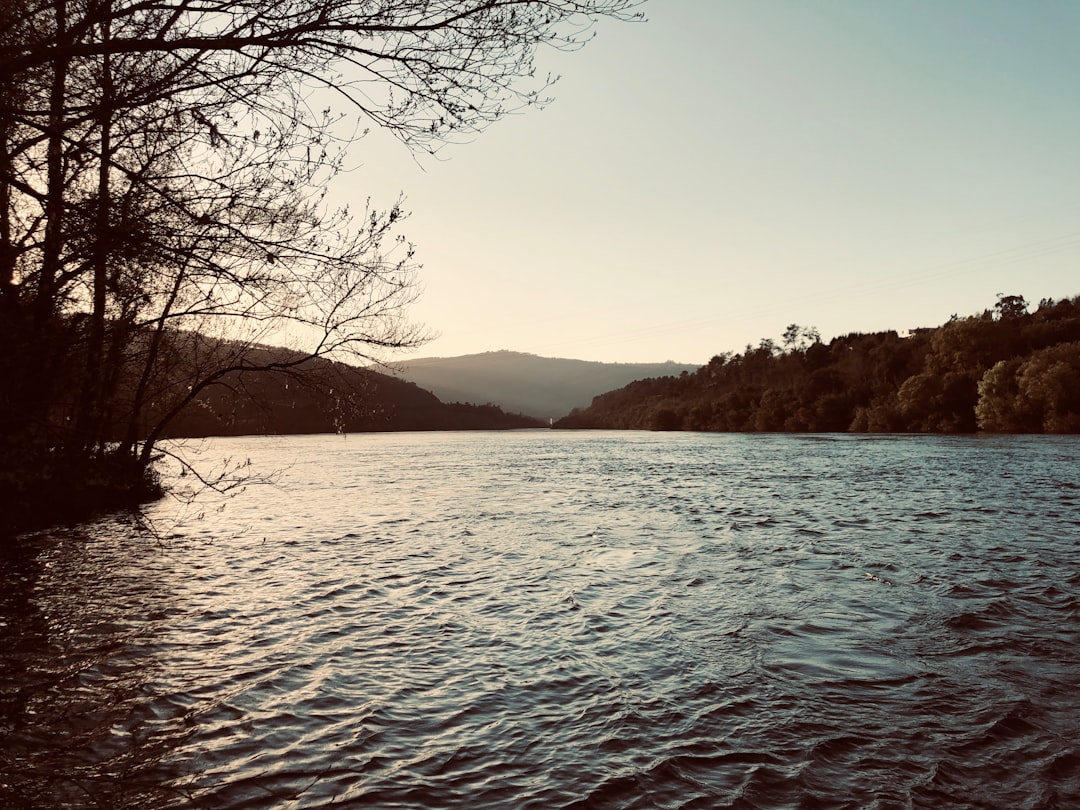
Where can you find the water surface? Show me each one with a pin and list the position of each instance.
(546, 619)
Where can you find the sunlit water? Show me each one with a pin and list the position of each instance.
(554, 620)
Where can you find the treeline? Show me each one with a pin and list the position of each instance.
(1005, 370)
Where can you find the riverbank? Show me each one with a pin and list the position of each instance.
(54, 490)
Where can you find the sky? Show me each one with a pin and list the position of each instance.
(729, 167)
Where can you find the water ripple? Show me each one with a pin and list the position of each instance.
(553, 620)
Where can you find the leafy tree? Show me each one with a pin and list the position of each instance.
(1011, 306)
(1049, 383)
(999, 409)
(799, 338)
(1040, 393)
(1014, 372)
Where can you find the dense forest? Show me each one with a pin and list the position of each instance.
(1005, 370)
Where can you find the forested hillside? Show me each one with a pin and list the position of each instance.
(1004, 370)
(267, 391)
(543, 387)
(321, 396)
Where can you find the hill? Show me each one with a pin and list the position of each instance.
(312, 396)
(543, 387)
(325, 397)
(1005, 370)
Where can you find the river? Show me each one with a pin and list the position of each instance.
(548, 619)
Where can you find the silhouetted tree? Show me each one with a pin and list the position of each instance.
(163, 170)
(1011, 306)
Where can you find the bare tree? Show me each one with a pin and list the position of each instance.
(163, 172)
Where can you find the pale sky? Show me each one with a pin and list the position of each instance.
(727, 168)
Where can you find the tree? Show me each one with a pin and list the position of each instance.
(799, 338)
(1011, 306)
(1036, 394)
(1049, 382)
(163, 170)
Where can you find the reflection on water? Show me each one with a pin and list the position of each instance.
(80, 723)
(547, 619)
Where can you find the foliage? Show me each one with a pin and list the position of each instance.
(1003, 370)
(1036, 394)
(163, 177)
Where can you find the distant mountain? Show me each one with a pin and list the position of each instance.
(327, 397)
(543, 387)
